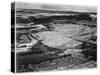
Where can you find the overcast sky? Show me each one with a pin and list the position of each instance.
(56, 7)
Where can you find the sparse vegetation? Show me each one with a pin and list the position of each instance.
(43, 55)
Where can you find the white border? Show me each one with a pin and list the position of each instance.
(5, 49)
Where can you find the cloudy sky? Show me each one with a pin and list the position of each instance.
(56, 7)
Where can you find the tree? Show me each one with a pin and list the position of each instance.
(83, 17)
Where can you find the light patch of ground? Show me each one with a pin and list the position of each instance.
(59, 35)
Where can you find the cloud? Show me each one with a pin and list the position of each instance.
(56, 7)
